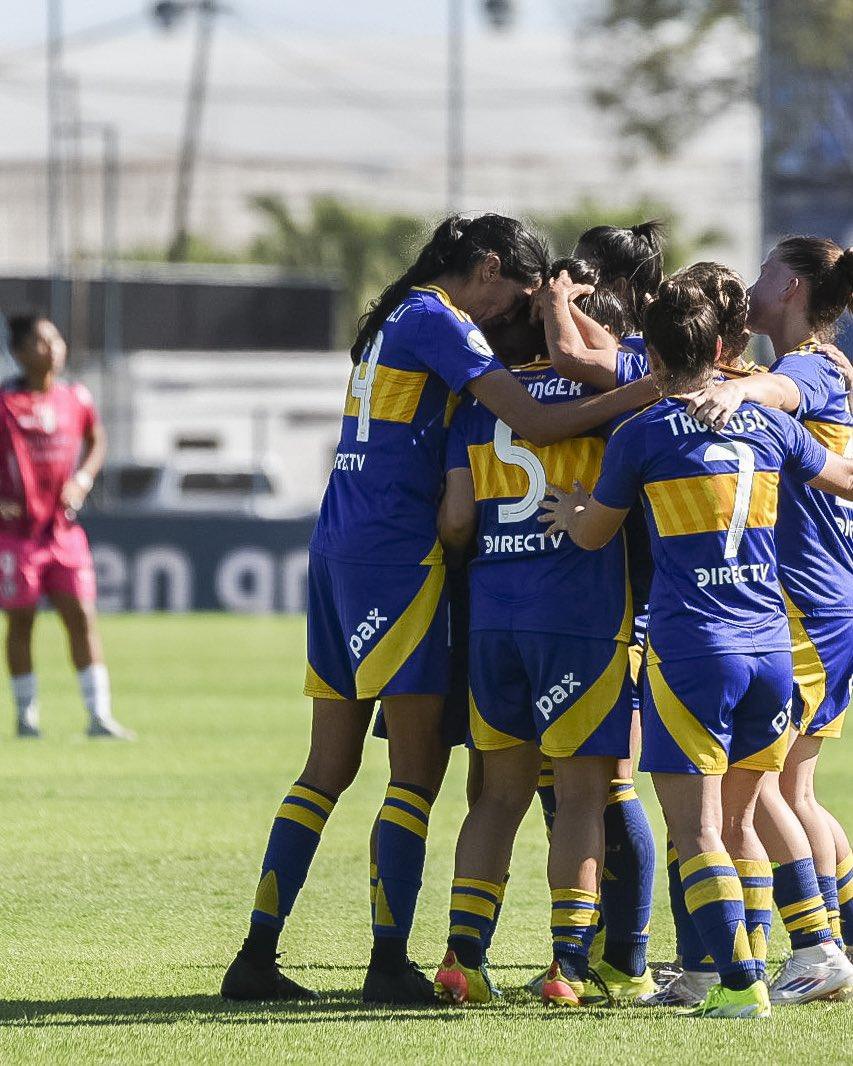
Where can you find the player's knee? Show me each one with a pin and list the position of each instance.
(331, 772)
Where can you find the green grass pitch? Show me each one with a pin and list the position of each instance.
(127, 873)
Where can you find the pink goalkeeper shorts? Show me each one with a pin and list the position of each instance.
(30, 569)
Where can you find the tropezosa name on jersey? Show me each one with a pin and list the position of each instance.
(731, 575)
(349, 461)
(520, 543)
(553, 387)
(746, 421)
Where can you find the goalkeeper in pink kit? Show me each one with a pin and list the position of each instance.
(52, 446)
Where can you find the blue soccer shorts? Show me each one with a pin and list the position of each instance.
(702, 715)
(376, 631)
(823, 674)
(571, 694)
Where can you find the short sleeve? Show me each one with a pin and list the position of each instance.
(455, 349)
(811, 374)
(89, 417)
(631, 360)
(620, 481)
(806, 457)
(457, 439)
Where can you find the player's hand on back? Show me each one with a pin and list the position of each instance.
(836, 356)
(716, 403)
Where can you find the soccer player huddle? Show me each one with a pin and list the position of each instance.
(643, 545)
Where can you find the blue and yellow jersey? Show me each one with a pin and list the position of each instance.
(711, 502)
(814, 536)
(632, 362)
(553, 586)
(382, 499)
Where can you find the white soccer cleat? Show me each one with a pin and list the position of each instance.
(689, 989)
(109, 728)
(812, 973)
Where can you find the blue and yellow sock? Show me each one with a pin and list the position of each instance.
(473, 904)
(800, 904)
(756, 878)
(547, 795)
(400, 853)
(829, 891)
(293, 841)
(714, 899)
(688, 943)
(627, 880)
(574, 921)
(844, 880)
(489, 937)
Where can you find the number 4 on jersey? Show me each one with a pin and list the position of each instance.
(362, 387)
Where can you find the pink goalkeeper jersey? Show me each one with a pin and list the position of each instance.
(41, 436)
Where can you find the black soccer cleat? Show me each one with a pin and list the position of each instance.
(398, 986)
(244, 981)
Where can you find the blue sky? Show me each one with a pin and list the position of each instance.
(340, 17)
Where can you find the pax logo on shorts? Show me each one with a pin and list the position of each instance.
(557, 695)
(366, 631)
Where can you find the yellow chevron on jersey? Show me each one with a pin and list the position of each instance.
(576, 459)
(832, 435)
(395, 396)
(705, 504)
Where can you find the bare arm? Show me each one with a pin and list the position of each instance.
(716, 404)
(543, 424)
(457, 513)
(580, 349)
(589, 523)
(78, 487)
(836, 476)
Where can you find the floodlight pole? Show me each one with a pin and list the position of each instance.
(55, 242)
(455, 105)
(206, 11)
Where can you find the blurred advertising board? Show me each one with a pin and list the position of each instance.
(200, 563)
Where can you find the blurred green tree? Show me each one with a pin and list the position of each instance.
(663, 80)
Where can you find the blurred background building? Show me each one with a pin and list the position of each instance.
(206, 193)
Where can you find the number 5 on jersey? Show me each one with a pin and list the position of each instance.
(515, 455)
(362, 388)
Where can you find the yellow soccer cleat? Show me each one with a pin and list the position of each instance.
(622, 987)
(455, 983)
(722, 1002)
(560, 991)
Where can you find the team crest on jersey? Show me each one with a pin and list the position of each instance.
(46, 417)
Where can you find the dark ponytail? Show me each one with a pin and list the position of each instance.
(455, 248)
(829, 271)
(681, 325)
(634, 253)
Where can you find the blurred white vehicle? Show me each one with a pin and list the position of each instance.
(192, 488)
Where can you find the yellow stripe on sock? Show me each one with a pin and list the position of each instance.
(742, 951)
(461, 901)
(266, 896)
(845, 894)
(758, 943)
(621, 797)
(317, 798)
(465, 930)
(294, 813)
(404, 820)
(412, 798)
(712, 890)
(571, 895)
(758, 899)
(563, 916)
(482, 886)
(753, 867)
(671, 856)
(809, 923)
(801, 905)
(703, 860)
(844, 867)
